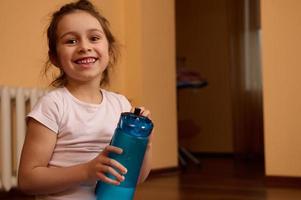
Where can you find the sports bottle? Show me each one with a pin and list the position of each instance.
(131, 135)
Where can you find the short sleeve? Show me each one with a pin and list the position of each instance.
(126, 105)
(46, 111)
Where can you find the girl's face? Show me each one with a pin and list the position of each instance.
(82, 48)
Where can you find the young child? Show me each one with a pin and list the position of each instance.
(70, 128)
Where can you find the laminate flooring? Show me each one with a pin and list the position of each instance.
(216, 179)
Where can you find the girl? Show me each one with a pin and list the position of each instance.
(69, 129)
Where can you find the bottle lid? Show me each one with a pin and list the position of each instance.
(135, 124)
(137, 111)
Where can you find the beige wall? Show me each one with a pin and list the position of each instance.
(150, 67)
(146, 72)
(281, 47)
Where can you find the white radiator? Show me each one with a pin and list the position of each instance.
(15, 103)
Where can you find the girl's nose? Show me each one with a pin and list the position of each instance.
(84, 47)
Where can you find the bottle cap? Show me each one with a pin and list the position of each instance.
(137, 111)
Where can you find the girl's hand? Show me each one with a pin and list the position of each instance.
(102, 164)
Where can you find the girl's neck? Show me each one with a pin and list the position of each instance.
(85, 92)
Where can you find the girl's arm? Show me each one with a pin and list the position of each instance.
(35, 177)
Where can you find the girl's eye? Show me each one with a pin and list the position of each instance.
(94, 38)
(71, 41)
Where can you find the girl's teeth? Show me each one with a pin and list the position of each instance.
(86, 61)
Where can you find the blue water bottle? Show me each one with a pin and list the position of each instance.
(131, 135)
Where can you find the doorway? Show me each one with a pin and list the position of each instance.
(220, 41)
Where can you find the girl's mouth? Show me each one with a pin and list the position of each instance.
(86, 60)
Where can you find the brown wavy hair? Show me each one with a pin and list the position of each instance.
(86, 6)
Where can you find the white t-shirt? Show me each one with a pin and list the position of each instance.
(83, 131)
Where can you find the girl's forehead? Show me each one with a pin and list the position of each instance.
(78, 21)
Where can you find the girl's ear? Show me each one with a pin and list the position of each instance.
(53, 60)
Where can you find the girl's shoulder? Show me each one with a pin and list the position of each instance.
(116, 99)
(54, 94)
(113, 95)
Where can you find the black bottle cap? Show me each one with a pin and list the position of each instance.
(137, 111)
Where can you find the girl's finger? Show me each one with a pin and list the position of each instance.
(113, 163)
(145, 113)
(106, 179)
(112, 149)
(112, 171)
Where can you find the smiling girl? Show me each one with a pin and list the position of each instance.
(70, 128)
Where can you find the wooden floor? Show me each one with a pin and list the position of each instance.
(217, 179)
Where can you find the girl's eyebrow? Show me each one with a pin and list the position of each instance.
(96, 29)
(67, 33)
(75, 33)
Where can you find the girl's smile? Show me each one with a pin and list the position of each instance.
(85, 62)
